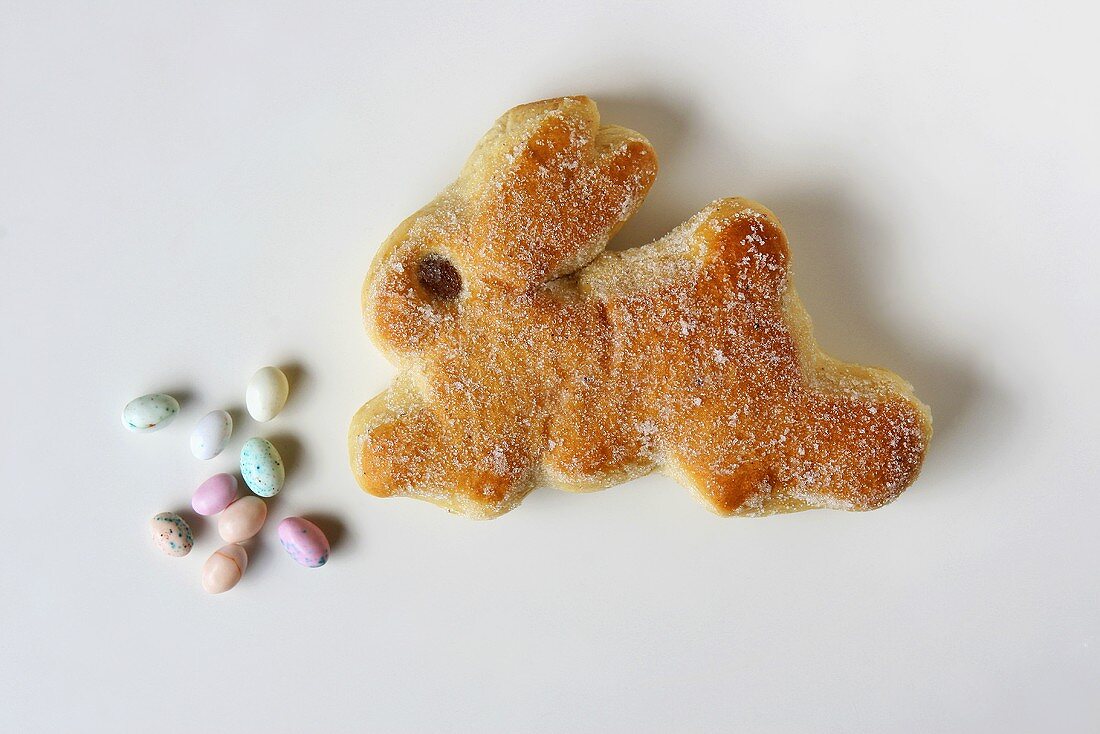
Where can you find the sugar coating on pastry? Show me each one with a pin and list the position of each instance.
(529, 356)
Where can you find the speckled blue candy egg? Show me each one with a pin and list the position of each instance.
(149, 412)
(262, 467)
(171, 534)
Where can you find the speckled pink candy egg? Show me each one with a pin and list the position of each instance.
(304, 541)
(215, 494)
(171, 534)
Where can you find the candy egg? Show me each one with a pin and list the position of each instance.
(304, 541)
(262, 467)
(215, 494)
(211, 434)
(223, 570)
(150, 412)
(171, 534)
(266, 393)
(242, 519)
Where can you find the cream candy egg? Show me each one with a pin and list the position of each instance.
(262, 467)
(304, 542)
(266, 393)
(223, 570)
(211, 434)
(150, 412)
(215, 494)
(242, 519)
(171, 533)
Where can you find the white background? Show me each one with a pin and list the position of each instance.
(191, 191)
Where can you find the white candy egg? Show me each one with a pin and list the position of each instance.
(211, 434)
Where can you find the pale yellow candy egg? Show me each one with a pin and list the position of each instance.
(266, 393)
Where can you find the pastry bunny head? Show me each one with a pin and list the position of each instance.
(530, 356)
(539, 198)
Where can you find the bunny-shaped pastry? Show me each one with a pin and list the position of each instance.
(530, 356)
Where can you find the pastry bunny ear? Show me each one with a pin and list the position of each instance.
(548, 187)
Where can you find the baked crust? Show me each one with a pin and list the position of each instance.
(528, 356)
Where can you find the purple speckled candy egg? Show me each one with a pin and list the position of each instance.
(304, 541)
(215, 494)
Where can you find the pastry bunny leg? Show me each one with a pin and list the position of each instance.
(400, 446)
(860, 450)
(855, 454)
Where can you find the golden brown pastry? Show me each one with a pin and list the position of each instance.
(529, 356)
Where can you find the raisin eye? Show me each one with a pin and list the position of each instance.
(439, 277)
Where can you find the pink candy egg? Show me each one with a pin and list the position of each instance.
(224, 569)
(215, 494)
(304, 541)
